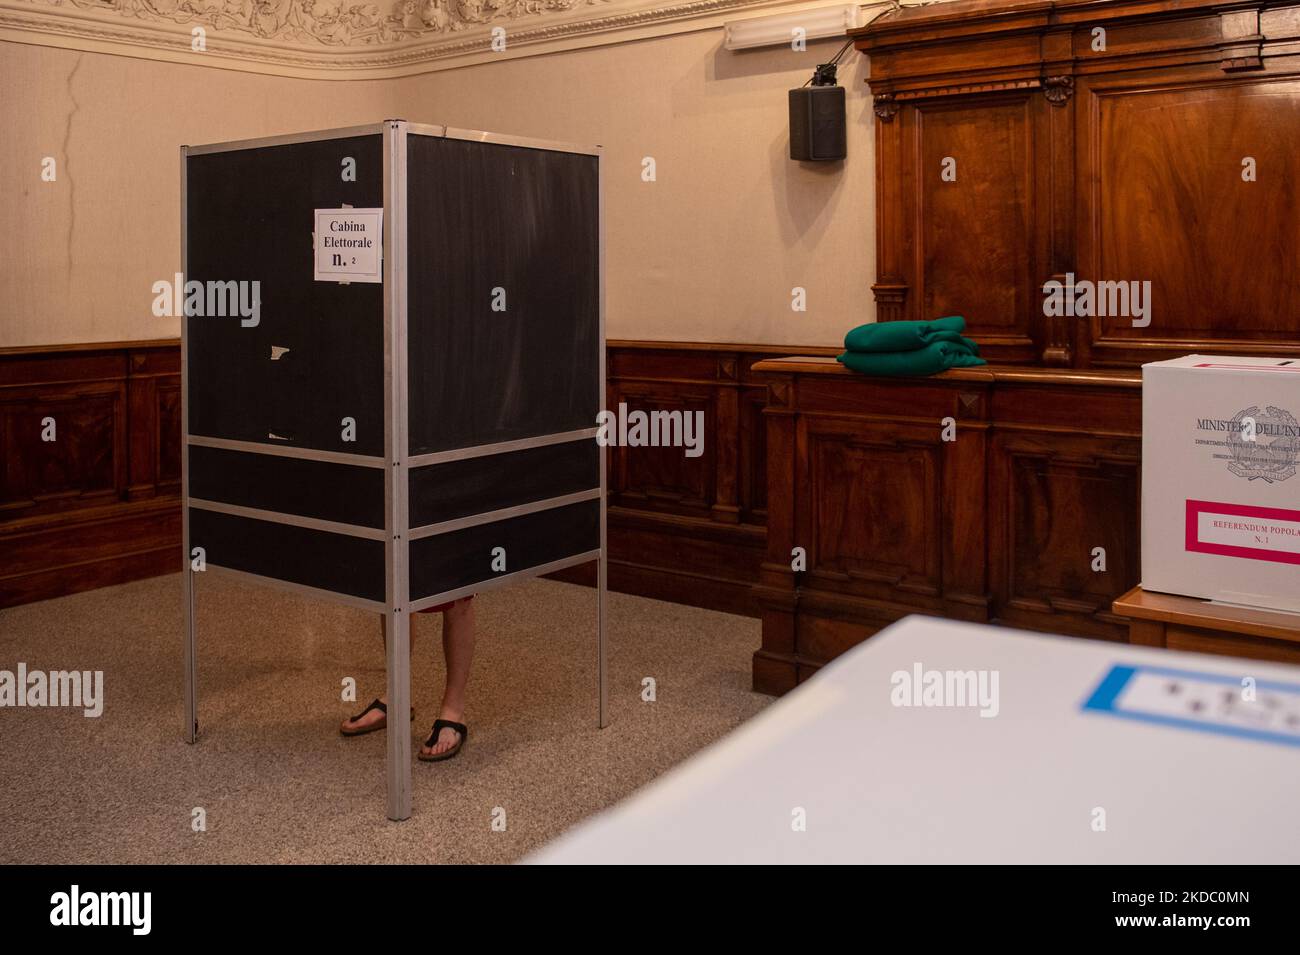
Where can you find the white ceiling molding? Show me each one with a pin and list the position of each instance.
(341, 39)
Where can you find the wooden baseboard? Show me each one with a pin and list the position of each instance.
(673, 586)
(98, 547)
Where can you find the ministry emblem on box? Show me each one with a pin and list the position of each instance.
(1220, 496)
(1263, 444)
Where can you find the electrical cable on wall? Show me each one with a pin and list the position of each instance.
(817, 109)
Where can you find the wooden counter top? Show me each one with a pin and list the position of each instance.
(987, 374)
(1206, 615)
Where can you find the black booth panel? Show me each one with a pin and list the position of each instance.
(338, 563)
(250, 216)
(444, 492)
(321, 489)
(483, 216)
(448, 562)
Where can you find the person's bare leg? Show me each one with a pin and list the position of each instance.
(458, 648)
(374, 716)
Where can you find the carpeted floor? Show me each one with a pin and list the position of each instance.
(277, 782)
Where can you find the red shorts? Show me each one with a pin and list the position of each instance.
(447, 606)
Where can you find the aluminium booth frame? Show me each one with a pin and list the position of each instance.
(396, 461)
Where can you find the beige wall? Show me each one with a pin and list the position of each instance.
(711, 250)
(708, 252)
(78, 256)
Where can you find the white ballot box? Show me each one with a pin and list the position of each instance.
(1220, 495)
(940, 741)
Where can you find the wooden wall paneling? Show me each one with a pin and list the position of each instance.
(726, 451)
(664, 477)
(85, 463)
(977, 251)
(153, 389)
(1096, 141)
(143, 451)
(1055, 166)
(1054, 499)
(752, 453)
(871, 513)
(169, 434)
(60, 554)
(1221, 259)
(890, 514)
(893, 274)
(1116, 162)
(996, 525)
(963, 497)
(1065, 478)
(76, 513)
(690, 530)
(775, 665)
(661, 379)
(875, 513)
(682, 560)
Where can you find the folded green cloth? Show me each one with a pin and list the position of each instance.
(930, 360)
(908, 336)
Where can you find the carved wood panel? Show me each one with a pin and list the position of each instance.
(79, 463)
(1194, 193)
(1083, 163)
(1064, 521)
(976, 254)
(169, 434)
(753, 455)
(873, 508)
(992, 516)
(664, 476)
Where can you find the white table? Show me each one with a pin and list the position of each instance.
(1183, 773)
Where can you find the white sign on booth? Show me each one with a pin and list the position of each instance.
(349, 245)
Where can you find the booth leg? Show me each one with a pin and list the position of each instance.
(191, 659)
(602, 689)
(397, 632)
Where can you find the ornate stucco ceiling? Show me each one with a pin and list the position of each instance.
(350, 38)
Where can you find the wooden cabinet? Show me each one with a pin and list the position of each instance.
(999, 494)
(1063, 517)
(1135, 158)
(1086, 141)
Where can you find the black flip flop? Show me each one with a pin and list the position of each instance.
(375, 704)
(433, 739)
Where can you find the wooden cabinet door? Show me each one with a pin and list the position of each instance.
(977, 250)
(1188, 183)
(1063, 528)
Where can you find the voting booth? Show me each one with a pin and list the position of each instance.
(393, 360)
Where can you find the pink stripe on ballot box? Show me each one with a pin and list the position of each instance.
(1242, 530)
(1211, 364)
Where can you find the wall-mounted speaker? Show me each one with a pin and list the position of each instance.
(817, 123)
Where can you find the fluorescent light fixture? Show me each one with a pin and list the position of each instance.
(780, 29)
